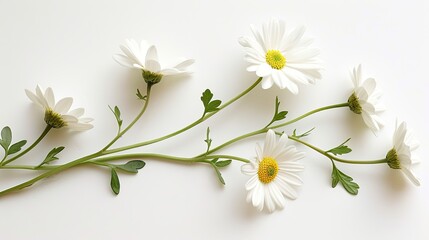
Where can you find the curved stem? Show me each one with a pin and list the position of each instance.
(200, 120)
(335, 158)
(263, 130)
(121, 133)
(44, 133)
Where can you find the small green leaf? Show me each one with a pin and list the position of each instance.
(219, 175)
(117, 114)
(301, 135)
(214, 160)
(345, 180)
(209, 105)
(6, 137)
(16, 147)
(140, 96)
(341, 149)
(277, 115)
(221, 164)
(52, 155)
(132, 166)
(208, 139)
(114, 182)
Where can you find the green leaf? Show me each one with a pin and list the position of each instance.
(6, 137)
(221, 164)
(214, 160)
(209, 105)
(277, 115)
(16, 147)
(301, 135)
(140, 96)
(208, 139)
(132, 166)
(219, 175)
(345, 180)
(52, 155)
(117, 114)
(114, 182)
(341, 149)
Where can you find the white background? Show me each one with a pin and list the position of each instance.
(68, 45)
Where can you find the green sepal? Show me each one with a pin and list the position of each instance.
(114, 182)
(16, 147)
(345, 180)
(132, 166)
(209, 105)
(341, 149)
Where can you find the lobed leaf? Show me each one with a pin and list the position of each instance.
(209, 105)
(345, 180)
(6, 137)
(341, 149)
(51, 156)
(16, 147)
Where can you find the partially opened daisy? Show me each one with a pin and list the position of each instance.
(281, 57)
(145, 57)
(57, 115)
(273, 175)
(402, 155)
(365, 100)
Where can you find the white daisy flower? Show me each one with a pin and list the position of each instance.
(403, 156)
(57, 115)
(280, 57)
(273, 174)
(365, 100)
(145, 57)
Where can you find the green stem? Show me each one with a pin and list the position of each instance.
(28, 167)
(335, 158)
(263, 130)
(121, 133)
(44, 133)
(200, 120)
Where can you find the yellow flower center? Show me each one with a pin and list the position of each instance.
(275, 59)
(267, 170)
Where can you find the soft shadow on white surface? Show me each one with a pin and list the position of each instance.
(68, 45)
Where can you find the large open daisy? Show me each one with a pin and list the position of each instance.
(145, 57)
(273, 175)
(280, 57)
(402, 155)
(57, 115)
(365, 100)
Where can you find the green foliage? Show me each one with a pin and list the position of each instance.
(295, 135)
(16, 147)
(219, 175)
(132, 166)
(6, 141)
(117, 114)
(345, 180)
(209, 105)
(221, 164)
(52, 155)
(114, 182)
(277, 115)
(208, 140)
(140, 96)
(340, 149)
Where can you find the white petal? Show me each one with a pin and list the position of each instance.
(153, 66)
(152, 54)
(34, 98)
(411, 176)
(184, 64)
(50, 98)
(269, 144)
(267, 82)
(277, 195)
(268, 199)
(249, 169)
(264, 70)
(123, 60)
(78, 112)
(252, 182)
(63, 105)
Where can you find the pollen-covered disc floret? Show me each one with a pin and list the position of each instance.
(365, 100)
(145, 57)
(273, 175)
(403, 154)
(57, 115)
(281, 57)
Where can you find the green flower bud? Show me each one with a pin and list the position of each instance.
(54, 119)
(354, 104)
(392, 159)
(151, 77)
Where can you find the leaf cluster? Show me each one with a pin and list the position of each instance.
(132, 166)
(6, 142)
(209, 104)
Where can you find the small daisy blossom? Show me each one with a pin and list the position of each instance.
(280, 57)
(57, 115)
(365, 100)
(145, 57)
(273, 175)
(402, 155)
